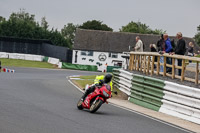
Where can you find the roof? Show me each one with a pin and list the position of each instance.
(107, 41)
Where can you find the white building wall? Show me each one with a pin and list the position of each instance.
(94, 60)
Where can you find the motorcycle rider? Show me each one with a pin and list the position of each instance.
(99, 81)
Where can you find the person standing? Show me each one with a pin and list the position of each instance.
(168, 49)
(160, 43)
(191, 50)
(161, 48)
(180, 49)
(153, 49)
(139, 45)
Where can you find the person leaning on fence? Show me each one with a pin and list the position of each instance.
(180, 49)
(153, 49)
(191, 50)
(168, 49)
(161, 48)
(160, 43)
(139, 45)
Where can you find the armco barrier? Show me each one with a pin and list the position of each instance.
(29, 57)
(3, 55)
(53, 61)
(163, 96)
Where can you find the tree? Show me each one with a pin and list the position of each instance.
(23, 25)
(197, 36)
(69, 32)
(95, 25)
(138, 27)
(44, 23)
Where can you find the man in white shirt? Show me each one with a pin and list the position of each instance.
(139, 45)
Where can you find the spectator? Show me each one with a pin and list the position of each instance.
(139, 45)
(180, 49)
(161, 47)
(153, 49)
(160, 43)
(168, 49)
(190, 50)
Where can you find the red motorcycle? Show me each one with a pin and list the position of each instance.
(95, 99)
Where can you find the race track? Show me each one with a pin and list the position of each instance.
(43, 101)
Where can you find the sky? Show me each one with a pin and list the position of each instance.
(170, 15)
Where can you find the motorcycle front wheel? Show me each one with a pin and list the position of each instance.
(79, 104)
(96, 105)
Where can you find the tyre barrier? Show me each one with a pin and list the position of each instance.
(163, 96)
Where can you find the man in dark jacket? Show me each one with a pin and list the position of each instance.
(180, 49)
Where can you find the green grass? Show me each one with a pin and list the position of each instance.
(84, 80)
(25, 63)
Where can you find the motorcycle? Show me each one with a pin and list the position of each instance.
(95, 99)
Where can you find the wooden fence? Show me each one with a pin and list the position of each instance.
(145, 62)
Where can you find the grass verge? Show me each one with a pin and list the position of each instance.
(25, 63)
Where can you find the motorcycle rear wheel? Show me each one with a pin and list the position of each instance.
(79, 104)
(96, 105)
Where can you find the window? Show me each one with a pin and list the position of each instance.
(87, 53)
(113, 55)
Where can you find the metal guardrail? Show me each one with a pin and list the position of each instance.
(145, 61)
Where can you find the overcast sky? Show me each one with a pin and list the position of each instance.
(170, 15)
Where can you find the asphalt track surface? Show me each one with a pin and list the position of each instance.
(43, 101)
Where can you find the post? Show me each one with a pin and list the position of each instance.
(164, 66)
(141, 63)
(131, 62)
(138, 63)
(183, 70)
(135, 62)
(197, 73)
(144, 71)
(148, 65)
(173, 68)
(158, 65)
(152, 65)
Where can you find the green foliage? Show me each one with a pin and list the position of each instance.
(69, 32)
(197, 36)
(23, 25)
(138, 27)
(95, 25)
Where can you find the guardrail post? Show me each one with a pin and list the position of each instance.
(164, 66)
(197, 73)
(152, 65)
(183, 70)
(173, 68)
